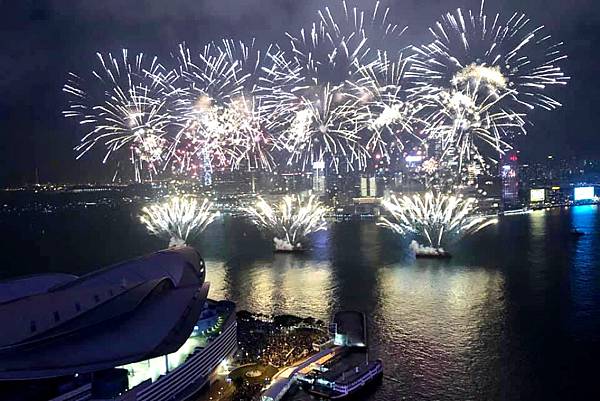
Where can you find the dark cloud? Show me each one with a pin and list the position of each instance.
(41, 40)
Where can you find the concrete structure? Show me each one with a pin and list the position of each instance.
(282, 381)
(350, 329)
(60, 325)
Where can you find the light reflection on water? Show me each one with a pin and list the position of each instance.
(585, 273)
(283, 284)
(514, 315)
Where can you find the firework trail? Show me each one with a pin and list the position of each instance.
(291, 221)
(343, 39)
(179, 219)
(476, 82)
(468, 128)
(223, 123)
(342, 93)
(508, 58)
(434, 217)
(313, 91)
(126, 107)
(392, 116)
(325, 127)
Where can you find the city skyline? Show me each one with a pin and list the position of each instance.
(36, 92)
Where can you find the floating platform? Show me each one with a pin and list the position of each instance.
(343, 376)
(440, 255)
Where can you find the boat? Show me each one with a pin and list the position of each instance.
(281, 246)
(430, 252)
(351, 382)
(515, 212)
(428, 255)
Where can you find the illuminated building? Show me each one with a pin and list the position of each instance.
(68, 324)
(537, 197)
(510, 180)
(145, 321)
(584, 194)
(318, 186)
(368, 187)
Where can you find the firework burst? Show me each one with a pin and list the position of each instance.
(390, 113)
(291, 221)
(505, 58)
(179, 219)
(467, 129)
(222, 120)
(125, 104)
(325, 127)
(343, 39)
(313, 92)
(434, 217)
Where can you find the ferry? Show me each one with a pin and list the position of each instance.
(348, 371)
(348, 383)
(515, 212)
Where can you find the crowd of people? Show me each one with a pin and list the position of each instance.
(278, 341)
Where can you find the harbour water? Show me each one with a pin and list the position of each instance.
(514, 315)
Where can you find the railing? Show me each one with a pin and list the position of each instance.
(195, 370)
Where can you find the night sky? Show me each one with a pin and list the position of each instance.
(43, 40)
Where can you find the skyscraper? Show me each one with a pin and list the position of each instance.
(510, 180)
(319, 177)
(368, 187)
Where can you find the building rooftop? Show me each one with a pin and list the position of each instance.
(58, 325)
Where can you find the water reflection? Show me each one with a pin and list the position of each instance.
(283, 284)
(437, 319)
(585, 273)
(480, 326)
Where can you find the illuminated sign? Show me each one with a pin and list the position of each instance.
(537, 195)
(584, 193)
(319, 165)
(555, 188)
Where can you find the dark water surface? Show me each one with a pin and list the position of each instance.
(514, 315)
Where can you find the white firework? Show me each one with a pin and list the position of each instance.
(392, 116)
(291, 220)
(218, 105)
(434, 217)
(179, 219)
(324, 128)
(507, 58)
(344, 39)
(312, 91)
(468, 128)
(125, 105)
